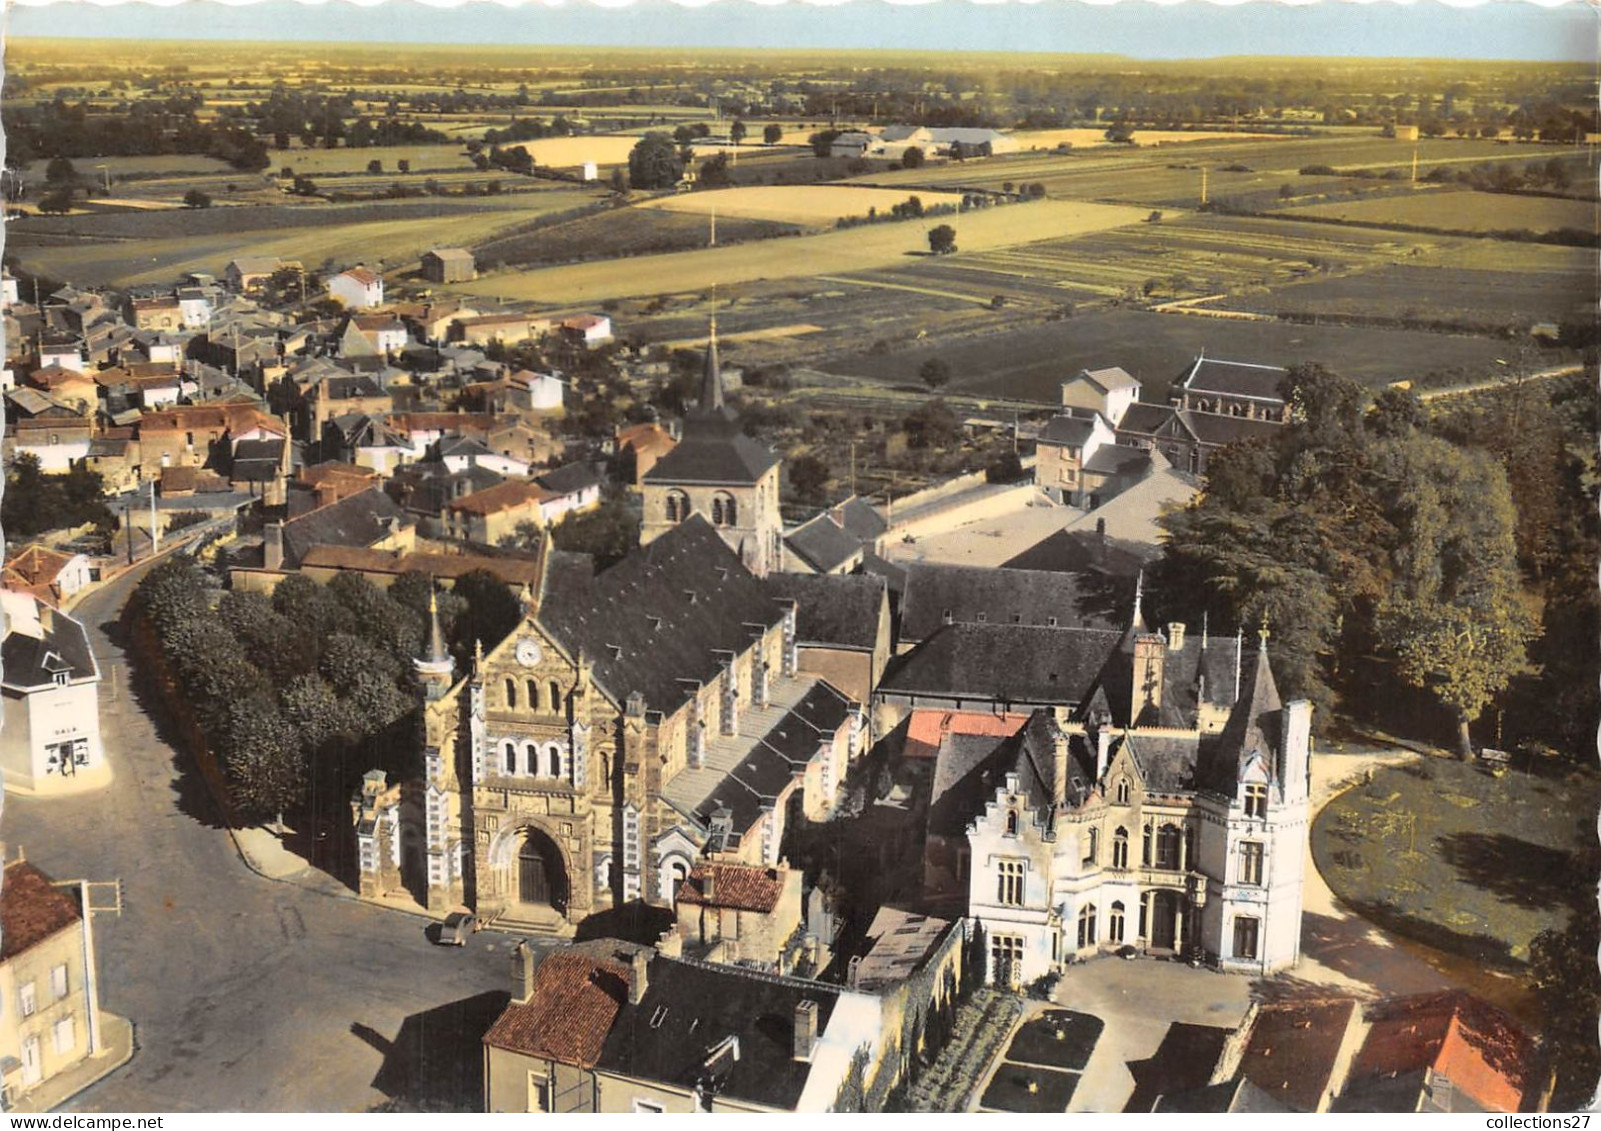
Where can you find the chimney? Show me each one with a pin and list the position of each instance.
(1103, 750)
(639, 977)
(1297, 764)
(524, 963)
(708, 883)
(273, 546)
(1175, 636)
(1059, 741)
(327, 494)
(671, 943)
(805, 1029)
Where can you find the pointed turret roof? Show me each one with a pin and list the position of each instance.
(713, 407)
(436, 660)
(714, 449)
(1252, 729)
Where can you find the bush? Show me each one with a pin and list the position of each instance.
(1318, 171)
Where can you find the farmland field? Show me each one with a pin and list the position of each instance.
(446, 157)
(620, 232)
(801, 204)
(1031, 363)
(121, 248)
(1086, 137)
(1463, 211)
(154, 165)
(876, 245)
(1491, 299)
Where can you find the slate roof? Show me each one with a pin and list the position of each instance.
(451, 254)
(1203, 669)
(1068, 431)
(507, 496)
(690, 1008)
(428, 488)
(1006, 663)
(576, 998)
(752, 787)
(656, 618)
(1085, 552)
(713, 457)
(568, 479)
(462, 446)
(1293, 1047)
(357, 520)
(1233, 378)
(1230, 1096)
(1253, 728)
(963, 769)
(515, 572)
(738, 887)
(1110, 459)
(34, 661)
(823, 543)
(995, 596)
(861, 519)
(840, 611)
(32, 909)
(1110, 378)
(901, 940)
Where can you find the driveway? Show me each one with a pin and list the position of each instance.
(1161, 1018)
(246, 993)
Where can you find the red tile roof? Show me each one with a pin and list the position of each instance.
(575, 1000)
(927, 729)
(646, 438)
(1294, 1049)
(363, 276)
(32, 909)
(506, 496)
(738, 887)
(1470, 1042)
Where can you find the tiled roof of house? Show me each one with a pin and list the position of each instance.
(645, 438)
(62, 647)
(1110, 378)
(357, 520)
(1068, 431)
(1230, 1096)
(926, 731)
(507, 496)
(515, 572)
(679, 1032)
(32, 909)
(35, 565)
(1479, 1049)
(738, 887)
(1293, 1049)
(576, 998)
(1086, 552)
(452, 254)
(361, 275)
(569, 479)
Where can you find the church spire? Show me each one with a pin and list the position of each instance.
(436, 635)
(436, 667)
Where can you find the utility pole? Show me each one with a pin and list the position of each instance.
(853, 467)
(1414, 164)
(155, 536)
(1203, 184)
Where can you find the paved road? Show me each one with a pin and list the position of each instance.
(246, 993)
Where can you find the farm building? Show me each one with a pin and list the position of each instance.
(449, 265)
(249, 273)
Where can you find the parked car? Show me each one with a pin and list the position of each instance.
(456, 928)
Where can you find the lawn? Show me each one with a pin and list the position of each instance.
(1058, 1038)
(818, 205)
(621, 232)
(1441, 852)
(1024, 1088)
(858, 249)
(1463, 211)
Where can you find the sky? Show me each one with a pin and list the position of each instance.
(1141, 29)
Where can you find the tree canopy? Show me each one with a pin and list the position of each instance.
(654, 163)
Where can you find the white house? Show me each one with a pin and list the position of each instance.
(461, 452)
(358, 288)
(588, 330)
(50, 741)
(8, 290)
(538, 392)
(1141, 824)
(68, 355)
(194, 308)
(1108, 392)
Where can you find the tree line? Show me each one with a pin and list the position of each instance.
(313, 684)
(1454, 555)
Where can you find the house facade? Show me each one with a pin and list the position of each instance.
(357, 288)
(50, 741)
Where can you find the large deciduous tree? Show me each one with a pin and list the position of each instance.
(654, 163)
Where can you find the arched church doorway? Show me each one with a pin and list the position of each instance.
(541, 880)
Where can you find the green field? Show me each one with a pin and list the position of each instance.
(448, 157)
(116, 249)
(1030, 363)
(1464, 211)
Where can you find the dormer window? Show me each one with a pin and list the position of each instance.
(62, 678)
(1256, 801)
(983, 618)
(1011, 823)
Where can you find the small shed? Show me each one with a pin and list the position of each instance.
(449, 265)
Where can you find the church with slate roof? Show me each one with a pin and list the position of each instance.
(635, 722)
(722, 474)
(1167, 813)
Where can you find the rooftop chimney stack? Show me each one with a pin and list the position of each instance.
(524, 963)
(639, 977)
(805, 1029)
(1175, 636)
(1103, 751)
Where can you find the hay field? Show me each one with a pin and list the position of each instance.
(859, 249)
(817, 205)
(1463, 211)
(602, 149)
(1087, 137)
